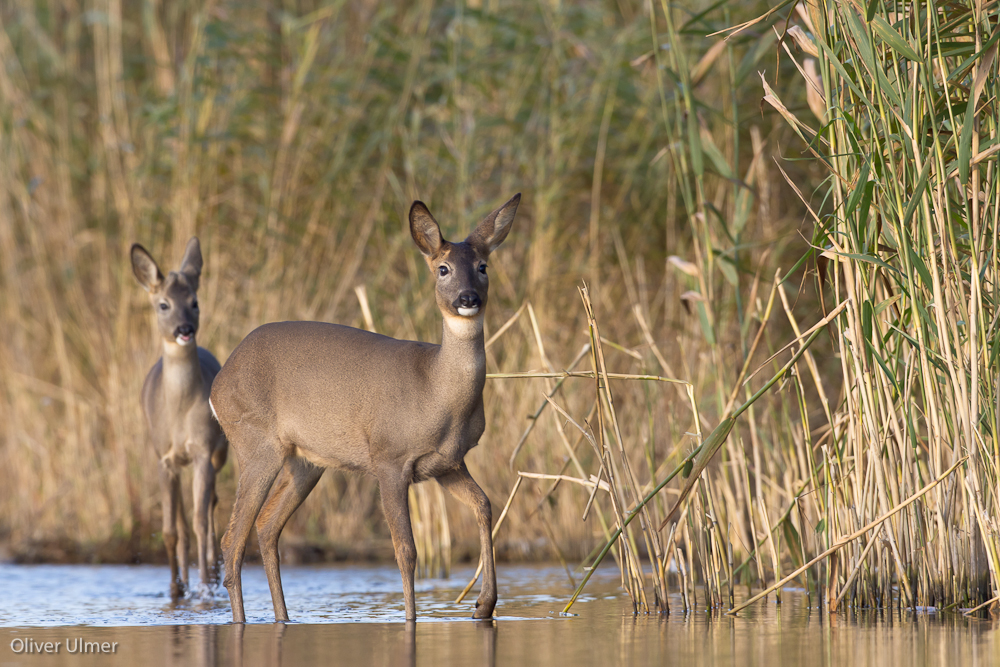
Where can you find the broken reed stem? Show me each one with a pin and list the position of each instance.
(853, 536)
(581, 374)
(534, 418)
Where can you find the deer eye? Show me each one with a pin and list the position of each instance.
(164, 306)
(442, 270)
(195, 304)
(482, 268)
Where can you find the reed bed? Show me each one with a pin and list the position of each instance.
(773, 329)
(904, 122)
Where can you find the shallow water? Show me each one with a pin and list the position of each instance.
(354, 615)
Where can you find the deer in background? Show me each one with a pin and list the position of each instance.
(175, 402)
(295, 398)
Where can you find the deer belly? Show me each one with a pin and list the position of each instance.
(326, 460)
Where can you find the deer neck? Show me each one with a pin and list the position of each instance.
(182, 378)
(460, 367)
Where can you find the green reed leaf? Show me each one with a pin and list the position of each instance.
(893, 38)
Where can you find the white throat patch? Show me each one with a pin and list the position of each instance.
(465, 327)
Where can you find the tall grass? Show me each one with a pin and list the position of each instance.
(292, 138)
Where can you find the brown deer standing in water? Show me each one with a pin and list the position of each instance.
(175, 401)
(295, 398)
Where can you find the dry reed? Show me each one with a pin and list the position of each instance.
(291, 138)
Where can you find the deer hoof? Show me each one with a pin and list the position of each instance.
(484, 610)
(176, 590)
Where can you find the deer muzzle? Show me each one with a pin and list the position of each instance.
(184, 334)
(468, 304)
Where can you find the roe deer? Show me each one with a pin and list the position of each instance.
(295, 398)
(175, 402)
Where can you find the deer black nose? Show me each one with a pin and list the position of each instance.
(185, 330)
(468, 299)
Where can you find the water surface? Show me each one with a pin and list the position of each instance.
(353, 615)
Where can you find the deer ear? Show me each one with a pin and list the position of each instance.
(424, 230)
(191, 264)
(145, 269)
(491, 232)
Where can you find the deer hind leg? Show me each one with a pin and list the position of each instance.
(203, 488)
(218, 460)
(212, 551)
(396, 506)
(461, 485)
(297, 479)
(260, 461)
(169, 495)
(219, 455)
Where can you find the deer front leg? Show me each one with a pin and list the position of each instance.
(296, 481)
(182, 534)
(396, 506)
(204, 492)
(169, 495)
(461, 485)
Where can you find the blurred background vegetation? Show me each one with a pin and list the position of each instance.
(291, 136)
